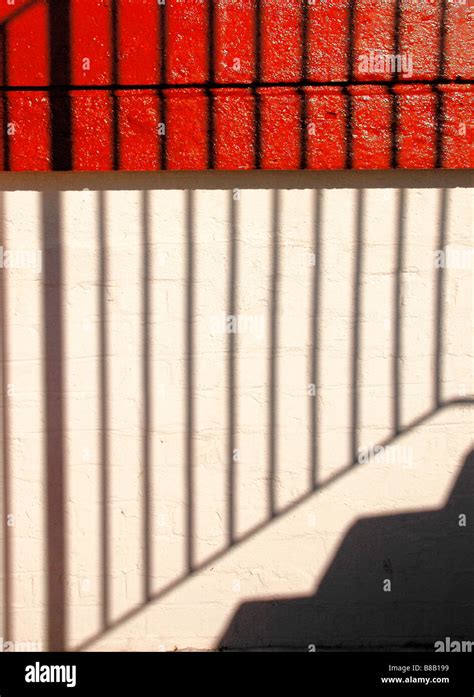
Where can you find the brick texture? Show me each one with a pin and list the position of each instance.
(235, 84)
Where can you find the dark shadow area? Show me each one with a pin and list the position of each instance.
(350, 78)
(162, 76)
(441, 75)
(59, 20)
(398, 313)
(103, 350)
(190, 379)
(4, 102)
(114, 32)
(232, 377)
(147, 398)
(54, 404)
(356, 325)
(273, 326)
(438, 313)
(315, 331)
(428, 559)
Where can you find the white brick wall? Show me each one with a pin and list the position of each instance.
(289, 556)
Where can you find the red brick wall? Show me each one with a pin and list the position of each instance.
(235, 84)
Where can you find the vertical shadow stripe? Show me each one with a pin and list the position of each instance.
(114, 32)
(231, 370)
(189, 379)
(5, 104)
(273, 359)
(162, 74)
(60, 74)
(439, 299)
(54, 410)
(356, 325)
(315, 346)
(104, 410)
(146, 388)
(397, 312)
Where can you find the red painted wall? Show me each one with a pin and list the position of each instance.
(236, 84)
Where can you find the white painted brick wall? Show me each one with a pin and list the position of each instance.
(289, 556)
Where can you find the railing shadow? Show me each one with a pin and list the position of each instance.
(55, 400)
(54, 311)
(379, 586)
